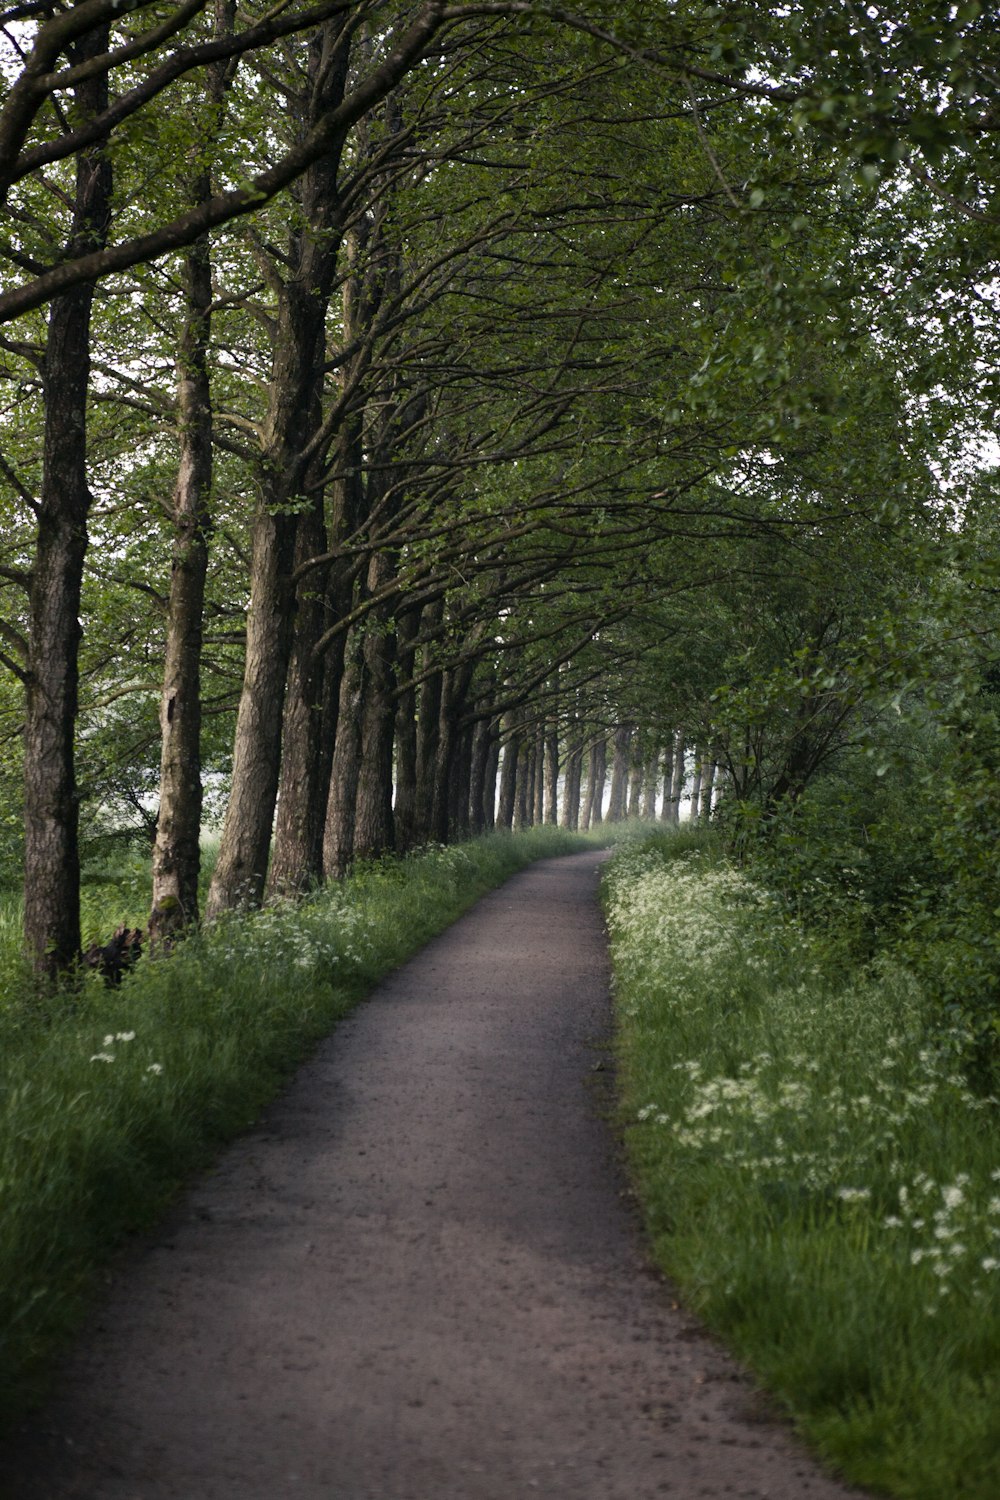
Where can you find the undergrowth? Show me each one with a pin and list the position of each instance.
(816, 1172)
(110, 1099)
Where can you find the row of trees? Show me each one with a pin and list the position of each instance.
(410, 409)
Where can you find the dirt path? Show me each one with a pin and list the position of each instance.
(419, 1278)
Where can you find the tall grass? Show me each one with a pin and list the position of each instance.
(816, 1172)
(110, 1098)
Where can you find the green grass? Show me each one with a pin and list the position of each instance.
(815, 1171)
(110, 1099)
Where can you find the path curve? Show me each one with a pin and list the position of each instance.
(420, 1277)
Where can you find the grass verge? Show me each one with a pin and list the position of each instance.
(110, 1099)
(815, 1172)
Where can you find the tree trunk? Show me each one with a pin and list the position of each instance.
(177, 847)
(296, 389)
(293, 867)
(525, 783)
(373, 829)
(479, 761)
(508, 774)
(619, 774)
(460, 786)
(708, 782)
(601, 772)
(405, 805)
(679, 777)
(454, 692)
(176, 852)
(312, 694)
(668, 783)
(246, 832)
(333, 677)
(51, 804)
(635, 778)
(572, 777)
(696, 784)
(538, 809)
(722, 782)
(651, 777)
(490, 782)
(597, 773)
(428, 725)
(480, 752)
(551, 788)
(338, 835)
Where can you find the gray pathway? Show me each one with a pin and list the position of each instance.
(419, 1278)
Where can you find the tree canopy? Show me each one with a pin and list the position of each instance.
(413, 413)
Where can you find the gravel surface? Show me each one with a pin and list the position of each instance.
(420, 1278)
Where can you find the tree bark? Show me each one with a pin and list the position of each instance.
(551, 788)
(428, 725)
(312, 694)
(679, 776)
(405, 805)
(301, 799)
(619, 774)
(338, 836)
(708, 782)
(696, 783)
(296, 387)
(572, 778)
(597, 773)
(51, 802)
(649, 787)
(460, 786)
(635, 778)
(177, 851)
(524, 782)
(668, 783)
(373, 826)
(177, 847)
(508, 774)
(454, 692)
(490, 781)
(479, 758)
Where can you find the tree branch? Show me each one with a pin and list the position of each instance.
(223, 207)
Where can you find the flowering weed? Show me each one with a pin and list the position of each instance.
(816, 1173)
